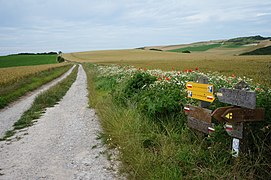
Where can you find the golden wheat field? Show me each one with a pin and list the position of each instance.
(14, 74)
(255, 67)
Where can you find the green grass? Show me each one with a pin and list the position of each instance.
(165, 150)
(26, 60)
(197, 48)
(47, 99)
(12, 91)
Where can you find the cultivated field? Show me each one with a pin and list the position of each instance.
(256, 67)
(26, 60)
(14, 74)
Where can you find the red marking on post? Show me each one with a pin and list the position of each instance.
(187, 109)
(211, 130)
(210, 97)
(228, 127)
(189, 85)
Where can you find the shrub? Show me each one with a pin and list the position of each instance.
(132, 87)
(60, 59)
(158, 102)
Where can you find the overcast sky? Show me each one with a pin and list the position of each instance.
(81, 25)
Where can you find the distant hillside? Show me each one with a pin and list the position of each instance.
(234, 46)
(245, 40)
(260, 51)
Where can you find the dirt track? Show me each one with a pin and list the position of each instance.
(12, 113)
(62, 144)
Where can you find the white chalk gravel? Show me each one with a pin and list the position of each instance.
(62, 144)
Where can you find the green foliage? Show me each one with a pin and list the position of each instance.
(105, 83)
(149, 129)
(132, 88)
(26, 60)
(197, 48)
(245, 40)
(60, 59)
(186, 51)
(159, 102)
(260, 51)
(47, 99)
(154, 49)
(11, 92)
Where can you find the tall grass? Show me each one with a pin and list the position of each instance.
(167, 149)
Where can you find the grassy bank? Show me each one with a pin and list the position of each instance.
(152, 136)
(12, 90)
(47, 99)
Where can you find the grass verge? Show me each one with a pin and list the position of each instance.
(167, 149)
(46, 99)
(9, 92)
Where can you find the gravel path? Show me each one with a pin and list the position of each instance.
(62, 144)
(12, 113)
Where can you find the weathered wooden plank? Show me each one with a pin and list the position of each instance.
(235, 115)
(199, 125)
(199, 113)
(237, 97)
(217, 114)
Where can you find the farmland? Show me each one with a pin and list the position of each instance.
(255, 67)
(16, 81)
(140, 103)
(26, 60)
(197, 48)
(15, 74)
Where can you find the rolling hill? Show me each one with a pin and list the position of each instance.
(234, 46)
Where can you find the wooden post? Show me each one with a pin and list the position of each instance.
(202, 104)
(243, 146)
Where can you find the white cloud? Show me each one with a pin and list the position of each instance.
(98, 24)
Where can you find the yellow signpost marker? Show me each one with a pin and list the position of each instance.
(203, 92)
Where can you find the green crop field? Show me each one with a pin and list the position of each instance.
(197, 48)
(26, 60)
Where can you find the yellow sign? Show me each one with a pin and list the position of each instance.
(206, 88)
(208, 97)
(229, 116)
(203, 92)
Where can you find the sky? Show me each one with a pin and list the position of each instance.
(83, 25)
